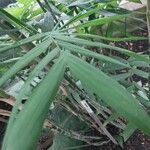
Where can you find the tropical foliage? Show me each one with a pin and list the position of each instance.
(75, 78)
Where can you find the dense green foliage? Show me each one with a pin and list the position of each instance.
(65, 52)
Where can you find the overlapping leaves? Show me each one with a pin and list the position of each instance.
(104, 86)
(68, 51)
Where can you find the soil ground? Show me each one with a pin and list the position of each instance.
(138, 141)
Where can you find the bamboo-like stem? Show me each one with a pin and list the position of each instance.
(148, 18)
(148, 26)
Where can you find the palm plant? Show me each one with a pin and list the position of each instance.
(92, 86)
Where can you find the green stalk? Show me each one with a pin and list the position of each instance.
(148, 18)
(148, 26)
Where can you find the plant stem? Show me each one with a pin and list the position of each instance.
(148, 26)
(148, 18)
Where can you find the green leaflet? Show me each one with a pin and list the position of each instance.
(89, 53)
(33, 74)
(127, 132)
(140, 73)
(122, 76)
(111, 118)
(138, 63)
(24, 41)
(99, 44)
(79, 17)
(15, 11)
(37, 69)
(26, 2)
(27, 58)
(111, 92)
(4, 14)
(9, 62)
(98, 37)
(102, 21)
(35, 109)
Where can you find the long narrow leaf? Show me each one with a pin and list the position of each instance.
(101, 21)
(89, 53)
(24, 41)
(33, 74)
(11, 18)
(111, 92)
(27, 58)
(80, 16)
(98, 37)
(31, 118)
(101, 45)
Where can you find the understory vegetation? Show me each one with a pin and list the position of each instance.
(73, 73)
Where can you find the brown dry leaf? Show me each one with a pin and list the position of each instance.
(64, 92)
(10, 101)
(5, 112)
(47, 124)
